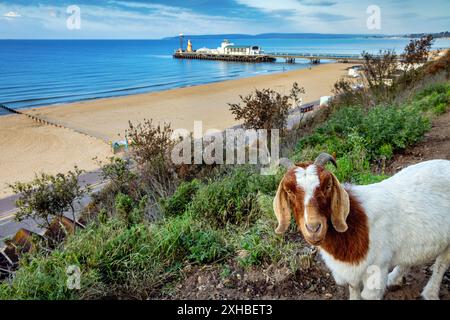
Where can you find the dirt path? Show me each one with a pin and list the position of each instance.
(229, 281)
(271, 282)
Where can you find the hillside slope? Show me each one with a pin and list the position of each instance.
(270, 282)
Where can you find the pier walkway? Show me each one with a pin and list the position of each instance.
(224, 57)
(314, 58)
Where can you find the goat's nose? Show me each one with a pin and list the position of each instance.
(313, 227)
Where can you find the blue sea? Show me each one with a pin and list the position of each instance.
(43, 72)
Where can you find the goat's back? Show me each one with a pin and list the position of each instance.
(410, 212)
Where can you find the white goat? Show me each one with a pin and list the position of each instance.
(365, 231)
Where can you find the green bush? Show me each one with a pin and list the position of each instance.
(380, 131)
(232, 198)
(124, 204)
(124, 254)
(118, 172)
(369, 178)
(205, 245)
(128, 210)
(360, 137)
(43, 276)
(386, 151)
(258, 248)
(343, 121)
(399, 127)
(179, 201)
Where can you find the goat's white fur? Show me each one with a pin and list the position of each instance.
(308, 180)
(409, 224)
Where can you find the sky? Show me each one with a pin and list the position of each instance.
(141, 19)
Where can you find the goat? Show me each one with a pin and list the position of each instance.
(364, 231)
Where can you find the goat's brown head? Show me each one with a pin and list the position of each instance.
(316, 198)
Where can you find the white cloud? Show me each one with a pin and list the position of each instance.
(126, 20)
(350, 16)
(270, 5)
(308, 16)
(12, 14)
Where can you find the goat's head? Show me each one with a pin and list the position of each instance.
(316, 198)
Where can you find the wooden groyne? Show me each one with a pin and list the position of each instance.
(9, 109)
(55, 124)
(34, 118)
(224, 57)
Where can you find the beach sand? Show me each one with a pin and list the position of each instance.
(28, 147)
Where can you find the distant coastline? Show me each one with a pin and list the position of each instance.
(436, 35)
(276, 36)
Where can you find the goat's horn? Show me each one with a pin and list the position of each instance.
(324, 158)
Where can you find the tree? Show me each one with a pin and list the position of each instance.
(266, 108)
(151, 150)
(415, 53)
(376, 84)
(378, 68)
(381, 79)
(49, 196)
(417, 50)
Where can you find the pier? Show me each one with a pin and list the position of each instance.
(224, 57)
(253, 53)
(269, 57)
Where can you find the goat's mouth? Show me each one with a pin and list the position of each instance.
(314, 242)
(314, 239)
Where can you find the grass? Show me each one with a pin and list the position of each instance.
(434, 98)
(259, 244)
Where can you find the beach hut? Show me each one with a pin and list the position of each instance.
(352, 72)
(324, 100)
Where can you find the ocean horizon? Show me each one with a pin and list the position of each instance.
(48, 72)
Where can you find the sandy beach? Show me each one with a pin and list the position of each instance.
(28, 147)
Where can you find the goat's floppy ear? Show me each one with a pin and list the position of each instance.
(282, 210)
(340, 206)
